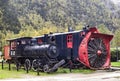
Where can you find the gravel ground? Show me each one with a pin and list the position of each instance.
(97, 76)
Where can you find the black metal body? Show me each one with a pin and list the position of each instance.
(61, 39)
(67, 52)
(46, 50)
(75, 47)
(24, 51)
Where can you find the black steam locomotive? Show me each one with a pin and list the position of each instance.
(27, 52)
(48, 52)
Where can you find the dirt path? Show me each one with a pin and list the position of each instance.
(97, 76)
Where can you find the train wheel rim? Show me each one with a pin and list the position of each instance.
(34, 65)
(46, 68)
(27, 64)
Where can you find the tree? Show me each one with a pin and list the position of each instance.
(116, 39)
(103, 29)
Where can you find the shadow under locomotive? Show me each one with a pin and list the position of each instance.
(50, 51)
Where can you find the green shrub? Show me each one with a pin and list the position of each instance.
(114, 55)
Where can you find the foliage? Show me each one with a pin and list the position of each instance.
(34, 17)
(65, 13)
(115, 54)
(117, 38)
(104, 29)
(8, 19)
(79, 26)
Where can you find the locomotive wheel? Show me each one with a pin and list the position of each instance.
(97, 52)
(46, 68)
(27, 64)
(34, 65)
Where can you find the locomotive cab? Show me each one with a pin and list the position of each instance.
(16, 46)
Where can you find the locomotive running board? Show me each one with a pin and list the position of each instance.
(83, 48)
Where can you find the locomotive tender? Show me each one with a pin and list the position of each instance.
(48, 52)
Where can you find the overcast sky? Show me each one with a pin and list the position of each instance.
(116, 1)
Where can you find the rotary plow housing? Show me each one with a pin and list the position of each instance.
(94, 50)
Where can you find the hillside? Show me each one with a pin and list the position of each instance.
(57, 15)
(62, 13)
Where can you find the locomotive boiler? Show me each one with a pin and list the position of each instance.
(87, 47)
(43, 50)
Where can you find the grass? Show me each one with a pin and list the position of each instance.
(8, 74)
(66, 70)
(115, 64)
(5, 73)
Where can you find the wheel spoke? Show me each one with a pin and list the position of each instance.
(97, 53)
